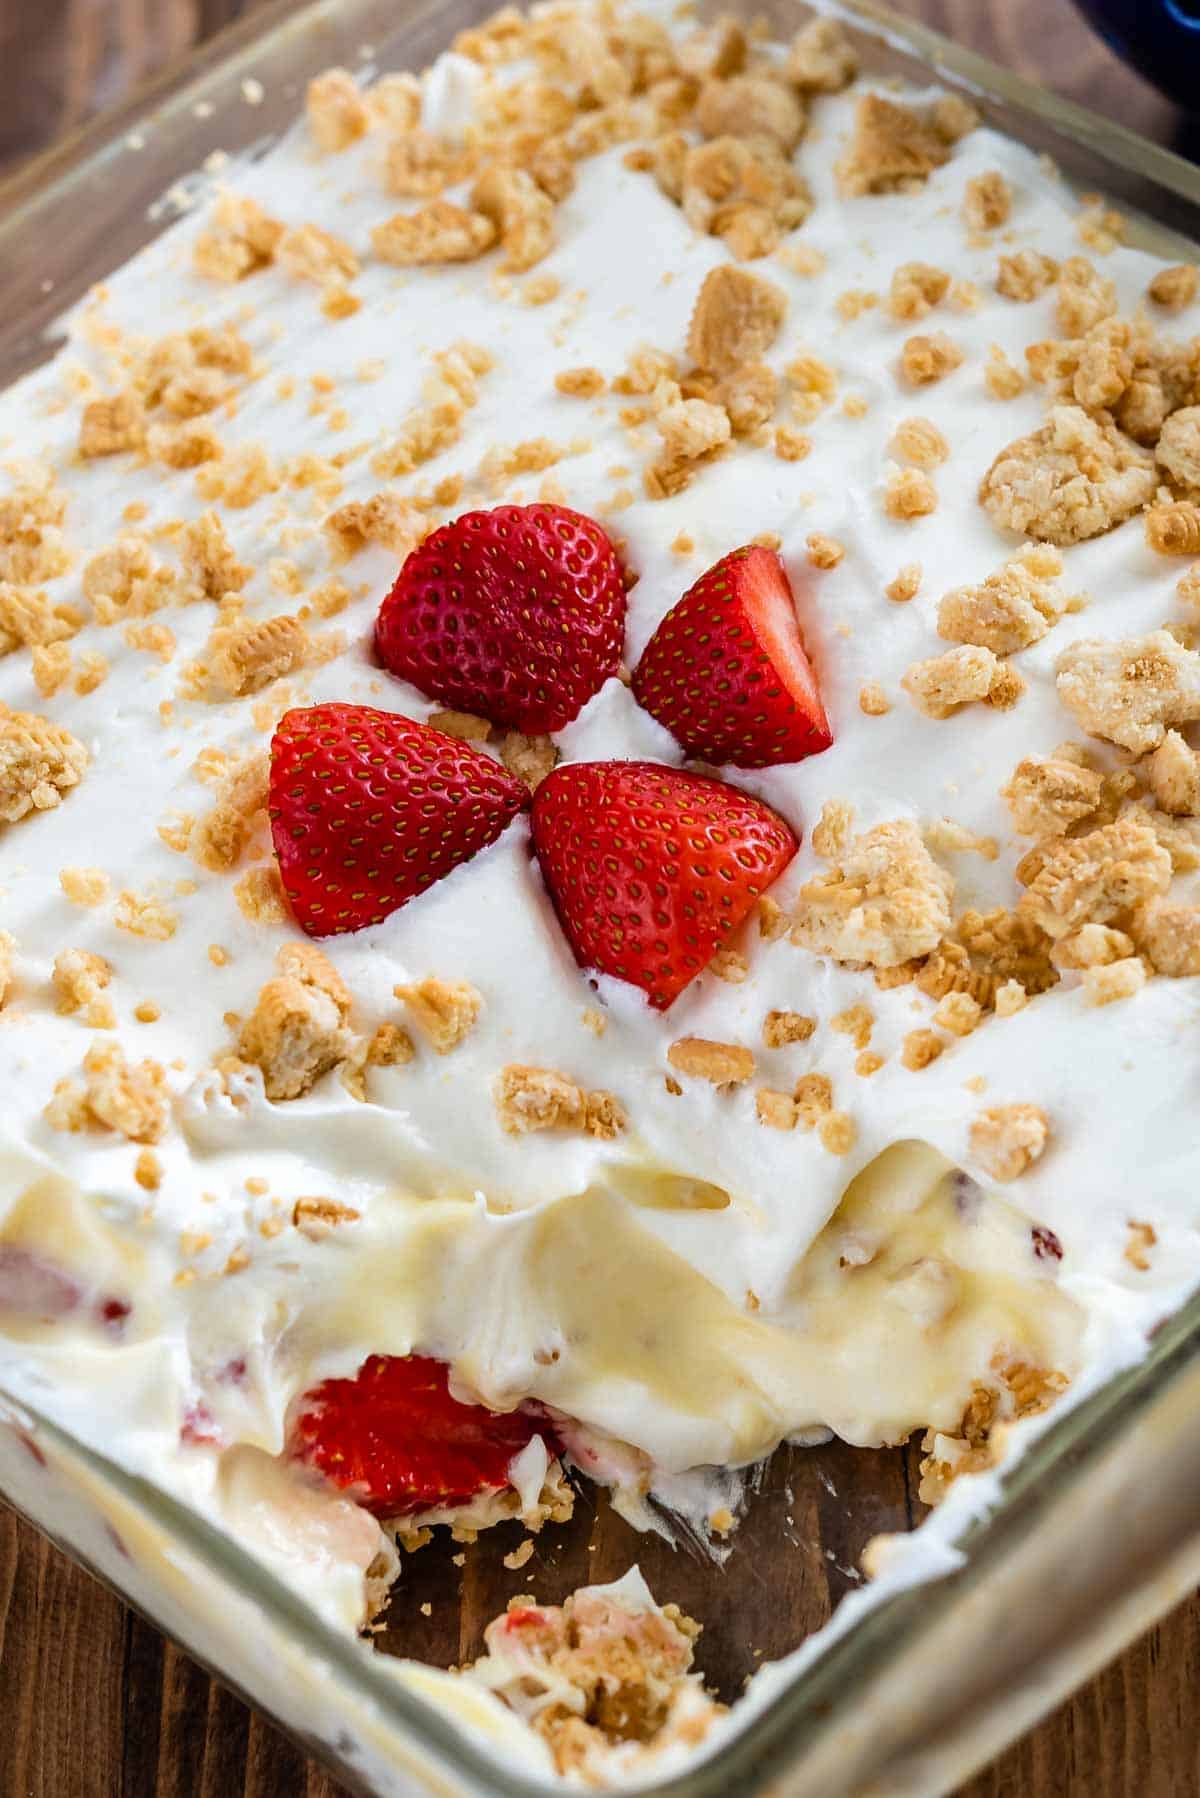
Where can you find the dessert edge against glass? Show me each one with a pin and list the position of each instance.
(598, 847)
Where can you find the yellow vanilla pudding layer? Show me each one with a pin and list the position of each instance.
(919, 1146)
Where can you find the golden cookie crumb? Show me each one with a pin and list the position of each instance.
(884, 902)
(113, 1095)
(40, 763)
(84, 886)
(838, 1132)
(532, 1099)
(905, 585)
(924, 360)
(873, 701)
(920, 1048)
(736, 318)
(775, 1109)
(445, 1011)
(1117, 980)
(781, 1028)
(987, 201)
(723, 1064)
(298, 1028)
(822, 551)
(1008, 1139)
(1174, 288)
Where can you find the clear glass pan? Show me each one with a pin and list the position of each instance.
(1098, 1532)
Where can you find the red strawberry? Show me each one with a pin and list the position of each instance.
(651, 868)
(396, 1434)
(727, 673)
(368, 809)
(517, 613)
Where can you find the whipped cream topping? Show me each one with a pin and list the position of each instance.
(580, 1272)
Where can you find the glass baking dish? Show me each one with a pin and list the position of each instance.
(906, 1696)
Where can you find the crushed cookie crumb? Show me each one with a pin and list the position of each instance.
(1007, 1139)
(1174, 529)
(1012, 609)
(782, 1028)
(924, 360)
(1010, 998)
(445, 1011)
(531, 759)
(893, 149)
(148, 1170)
(298, 1028)
(1026, 275)
(259, 896)
(873, 702)
(736, 318)
(1075, 478)
(920, 1048)
(959, 1014)
(823, 551)
(1116, 980)
(114, 1095)
(1047, 795)
(530, 1099)
(905, 585)
(723, 1064)
(941, 684)
(1174, 288)
(838, 1132)
(884, 902)
(580, 383)
(84, 886)
(814, 1099)
(909, 494)
(1094, 878)
(920, 442)
(337, 112)
(1130, 691)
(40, 763)
(775, 1109)
(917, 287)
(79, 978)
(773, 921)
(439, 232)
(987, 201)
(1142, 1238)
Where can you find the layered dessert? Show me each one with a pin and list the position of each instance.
(599, 821)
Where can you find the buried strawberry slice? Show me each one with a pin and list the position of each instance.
(369, 808)
(650, 868)
(398, 1437)
(726, 671)
(517, 614)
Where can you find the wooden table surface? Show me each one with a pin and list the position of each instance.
(93, 1703)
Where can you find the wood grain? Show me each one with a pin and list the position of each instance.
(93, 1703)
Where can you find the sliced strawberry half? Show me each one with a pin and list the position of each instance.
(397, 1437)
(650, 868)
(726, 671)
(368, 809)
(517, 614)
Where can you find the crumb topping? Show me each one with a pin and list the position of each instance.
(113, 1094)
(1131, 691)
(722, 1064)
(444, 1011)
(1006, 1140)
(1075, 478)
(40, 763)
(532, 1099)
(885, 901)
(940, 685)
(298, 1029)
